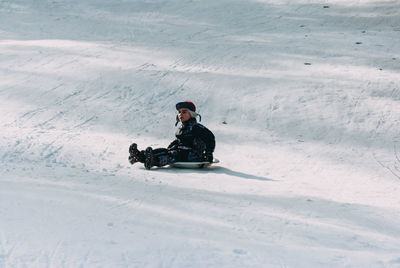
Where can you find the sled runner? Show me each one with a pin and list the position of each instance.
(194, 164)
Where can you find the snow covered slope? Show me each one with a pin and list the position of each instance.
(303, 97)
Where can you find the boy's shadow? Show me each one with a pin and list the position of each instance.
(230, 172)
(218, 170)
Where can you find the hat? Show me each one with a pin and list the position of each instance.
(186, 104)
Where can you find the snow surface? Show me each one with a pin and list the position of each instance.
(303, 97)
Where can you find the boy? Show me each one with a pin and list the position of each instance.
(193, 143)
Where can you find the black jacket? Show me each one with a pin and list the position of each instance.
(194, 136)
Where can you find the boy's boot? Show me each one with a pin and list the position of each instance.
(135, 155)
(149, 160)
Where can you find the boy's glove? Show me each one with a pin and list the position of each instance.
(209, 157)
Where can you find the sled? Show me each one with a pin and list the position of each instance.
(194, 164)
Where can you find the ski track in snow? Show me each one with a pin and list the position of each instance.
(303, 98)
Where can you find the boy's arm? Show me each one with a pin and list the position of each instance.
(207, 136)
(173, 144)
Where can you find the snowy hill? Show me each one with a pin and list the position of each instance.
(303, 97)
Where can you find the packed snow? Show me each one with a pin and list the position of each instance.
(303, 97)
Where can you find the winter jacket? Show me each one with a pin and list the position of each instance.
(194, 137)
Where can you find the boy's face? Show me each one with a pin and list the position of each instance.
(183, 114)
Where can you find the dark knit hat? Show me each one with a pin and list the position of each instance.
(186, 104)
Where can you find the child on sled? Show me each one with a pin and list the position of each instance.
(193, 143)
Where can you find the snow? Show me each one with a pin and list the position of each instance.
(303, 97)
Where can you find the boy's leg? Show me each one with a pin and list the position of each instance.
(163, 157)
(149, 158)
(158, 157)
